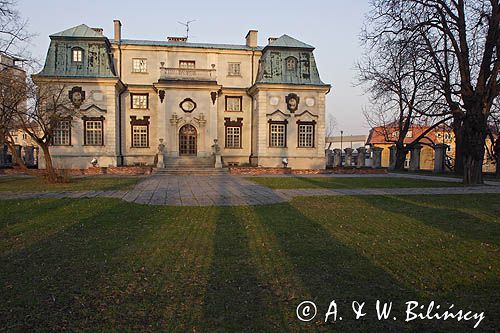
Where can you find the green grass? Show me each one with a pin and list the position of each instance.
(108, 265)
(347, 182)
(97, 183)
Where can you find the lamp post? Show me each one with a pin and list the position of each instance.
(341, 137)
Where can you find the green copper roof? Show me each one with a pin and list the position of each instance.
(80, 31)
(289, 42)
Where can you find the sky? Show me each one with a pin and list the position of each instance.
(333, 27)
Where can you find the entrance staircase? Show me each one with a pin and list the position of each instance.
(190, 166)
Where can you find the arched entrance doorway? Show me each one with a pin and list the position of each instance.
(187, 140)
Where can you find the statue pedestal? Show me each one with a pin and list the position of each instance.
(160, 163)
(218, 162)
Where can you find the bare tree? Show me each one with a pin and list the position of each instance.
(396, 77)
(14, 34)
(460, 39)
(47, 105)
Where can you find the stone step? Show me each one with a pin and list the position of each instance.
(191, 171)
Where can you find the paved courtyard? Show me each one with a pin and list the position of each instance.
(232, 190)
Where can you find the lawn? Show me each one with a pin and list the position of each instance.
(107, 265)
(347, 182)
(97, 183)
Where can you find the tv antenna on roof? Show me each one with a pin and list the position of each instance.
(186, 24)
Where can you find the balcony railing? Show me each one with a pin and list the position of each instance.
(187, 74)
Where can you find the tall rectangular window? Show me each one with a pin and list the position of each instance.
(139, 65)
(140, 136)
(233, 103)
(140, 101)
(306, 136)
(233, 137)
(277, 135)
(62, 133)
(186, 64)
(234, 69)
(93, 132)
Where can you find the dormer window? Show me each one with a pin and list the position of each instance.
(77, 54)
(291, 64)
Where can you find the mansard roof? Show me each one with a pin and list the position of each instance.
(290, 42)
(80, 31)
(186, 44)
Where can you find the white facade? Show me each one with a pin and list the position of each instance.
(186, 95)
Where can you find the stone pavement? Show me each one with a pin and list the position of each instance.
(232, 190)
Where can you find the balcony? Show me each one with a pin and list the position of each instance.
(187, 74)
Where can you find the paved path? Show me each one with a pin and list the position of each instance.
(231, 190)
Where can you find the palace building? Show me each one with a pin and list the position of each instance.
(261, 104)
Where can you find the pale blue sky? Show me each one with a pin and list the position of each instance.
(333, 27)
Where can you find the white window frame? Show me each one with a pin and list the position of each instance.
(140, 101)
(233, 137)
(139, 65)
(231, 104)
(62, 133)
(306, 136)
(94, 130)
(140, 136)
(278, 135)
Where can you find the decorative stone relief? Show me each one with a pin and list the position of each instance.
(77, 96)
(274, 100)
(310, 101)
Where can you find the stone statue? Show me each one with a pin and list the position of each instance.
(216, 152)
(160, 154)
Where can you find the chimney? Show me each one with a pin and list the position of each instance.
(271, 39)
(177, 39)
(251, 38)
(98, 30)
(118, 30)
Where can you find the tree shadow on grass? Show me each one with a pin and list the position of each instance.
(450, 216)
(72, 279)
(235, 300)
(331, 270)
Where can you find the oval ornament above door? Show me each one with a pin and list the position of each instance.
(187, 105)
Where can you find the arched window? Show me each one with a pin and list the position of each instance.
(77, 54)
(291, 64)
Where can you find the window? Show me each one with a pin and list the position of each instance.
(277, 131)
(233, 103)
(291, 64)
(234, 69)
(139, 65)
(186, 64)
(306, 135)
(77, 54)
(140, 101)
(233, 137)
(93, 131)
(233, 132)
(140, 131)
(139, 136)
(62, 133)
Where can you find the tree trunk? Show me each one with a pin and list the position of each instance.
(497, 157)
(18, 159)
(49, 168)
(457, 131)
(474, 136)
(400, 157)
